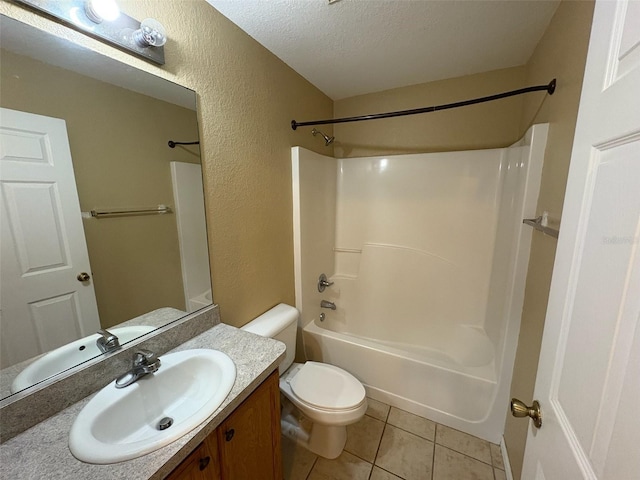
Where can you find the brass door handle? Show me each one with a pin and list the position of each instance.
(83, 277)
(519, 409)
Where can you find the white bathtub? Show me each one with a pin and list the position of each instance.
(428, 383)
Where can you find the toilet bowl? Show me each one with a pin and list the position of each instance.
(323, 398)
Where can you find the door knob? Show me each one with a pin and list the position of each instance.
(519, 409)
(83, 277)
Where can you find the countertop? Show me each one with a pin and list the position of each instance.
(43, 451)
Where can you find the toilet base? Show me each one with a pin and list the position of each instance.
(326, 441)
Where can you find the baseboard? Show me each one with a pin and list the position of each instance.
(505, 459)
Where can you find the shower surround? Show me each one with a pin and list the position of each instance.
(428, 256)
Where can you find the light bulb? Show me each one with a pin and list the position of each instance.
(99, 10)
(150, 34)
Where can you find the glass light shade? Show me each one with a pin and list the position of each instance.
(150, 34)
(99, 10)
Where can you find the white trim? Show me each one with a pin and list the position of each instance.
(505, 460)
(297, 241)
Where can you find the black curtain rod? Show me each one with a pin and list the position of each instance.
(173, 144)
(550, 88)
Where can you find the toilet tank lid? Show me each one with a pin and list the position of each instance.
(273, 321)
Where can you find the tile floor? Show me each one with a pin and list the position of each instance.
(391, 444)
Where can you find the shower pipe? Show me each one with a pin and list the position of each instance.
(550, 88)
(173, 144)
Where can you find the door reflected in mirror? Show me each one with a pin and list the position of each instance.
(81, 133)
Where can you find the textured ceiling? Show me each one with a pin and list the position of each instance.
(352, 47)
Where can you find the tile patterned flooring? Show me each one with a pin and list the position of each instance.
(391, 444)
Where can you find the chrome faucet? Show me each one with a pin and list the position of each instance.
(144, 362)
(107, 342)
(327, 304)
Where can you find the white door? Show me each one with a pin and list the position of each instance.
(43, 249)
(588, 382)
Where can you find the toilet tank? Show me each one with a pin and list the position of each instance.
(280, 323)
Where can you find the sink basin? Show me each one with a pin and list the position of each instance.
(70, 355)
(119, 424)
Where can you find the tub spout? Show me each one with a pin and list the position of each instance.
(327, 304)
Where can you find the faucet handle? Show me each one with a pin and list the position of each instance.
(146, 361)
(107, 341)
(323, 283)
(145, 357)
(108, 336)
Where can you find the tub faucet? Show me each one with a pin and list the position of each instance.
(107, 342)
(144, 362)
(327, 304)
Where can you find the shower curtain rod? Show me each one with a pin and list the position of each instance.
(550, 88)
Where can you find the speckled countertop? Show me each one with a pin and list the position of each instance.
(43, 451)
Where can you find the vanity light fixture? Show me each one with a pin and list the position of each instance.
(99, 10)
(103, 20)
(150, 34)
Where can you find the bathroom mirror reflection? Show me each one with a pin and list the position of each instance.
(80, 133)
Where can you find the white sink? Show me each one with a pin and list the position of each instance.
(70, 355)
(119, 424)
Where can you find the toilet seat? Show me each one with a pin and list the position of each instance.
(327, 387)
(326, 414)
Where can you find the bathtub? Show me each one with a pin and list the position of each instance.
(430, 382)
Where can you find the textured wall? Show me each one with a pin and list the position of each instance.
(487, 125)
(561, 53)
(247, 98)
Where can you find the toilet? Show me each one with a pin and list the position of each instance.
(324, 399)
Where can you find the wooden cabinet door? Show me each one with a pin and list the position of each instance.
(249, 440)
(201, 464)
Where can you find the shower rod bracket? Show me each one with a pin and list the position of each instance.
(550, 88)
(173, 144)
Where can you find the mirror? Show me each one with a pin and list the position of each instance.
(102, 223)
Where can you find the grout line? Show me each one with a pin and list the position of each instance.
(311, 469)
(464, 454)
(357, 456)
(378, 451)
(386, 418)
(433, 456)
(379, 443)
(413, 433)
(391, 473)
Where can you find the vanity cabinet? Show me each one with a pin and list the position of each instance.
(202, 464)
(246, 445)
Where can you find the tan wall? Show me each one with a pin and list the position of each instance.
(120, 159)
(488, 125)
(561, 53)
(247, 99)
